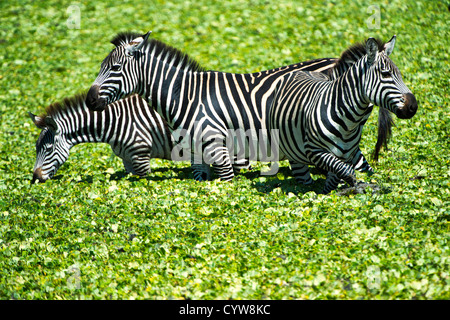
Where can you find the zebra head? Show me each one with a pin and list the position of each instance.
(51, 148)
(119, 72)
(384, 83)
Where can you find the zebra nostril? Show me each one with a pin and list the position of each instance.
(409, 109)
(37, 175)
(411, 102)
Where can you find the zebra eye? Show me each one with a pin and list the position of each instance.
(385, 73)
(116, 67)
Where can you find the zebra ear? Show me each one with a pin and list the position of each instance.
(38, 121)
(371, 50)
(41, 123)
(136, 44)
(389, 46)
(51, 123)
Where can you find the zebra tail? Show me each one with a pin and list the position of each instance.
(385, 124)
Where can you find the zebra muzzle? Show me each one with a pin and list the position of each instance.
(93, 101)
(409, 108)
(37, 175)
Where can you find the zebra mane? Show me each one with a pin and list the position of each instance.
(74, 102)
(179, 58)
(124, 38)
(353, 54)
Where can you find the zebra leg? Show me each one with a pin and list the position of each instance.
(240, 164)
(333, 164)
(140, 166)
(202, 171)
(331, 182)
(128, 165)
(360, 163)
(219, 156)
(301, 173)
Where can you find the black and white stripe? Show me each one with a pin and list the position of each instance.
(320, 121)
(135, 132)
(205, 105)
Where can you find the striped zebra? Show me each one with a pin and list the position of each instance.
(207, 105)
(320, 121)
(135, 132)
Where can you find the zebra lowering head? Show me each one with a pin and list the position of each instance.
(52, 149)
(119, 72)
(384, 84)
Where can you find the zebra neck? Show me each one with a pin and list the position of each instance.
(349, 93)
(162, 83)
(88, 126)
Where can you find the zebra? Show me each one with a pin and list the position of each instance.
(320, 121)
(135, 132)
(190, 97)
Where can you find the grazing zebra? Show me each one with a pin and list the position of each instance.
(207, 105)
(320, 120)
(135, 132)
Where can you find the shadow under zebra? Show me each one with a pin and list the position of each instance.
(282, 181)
(285, 183)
